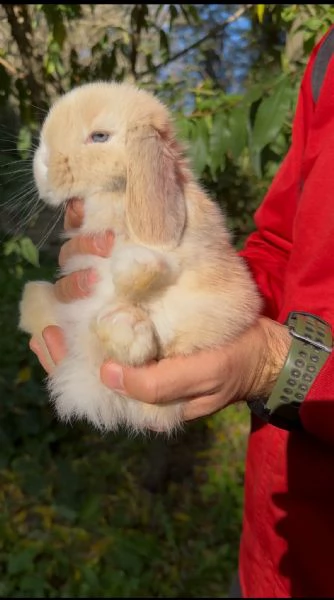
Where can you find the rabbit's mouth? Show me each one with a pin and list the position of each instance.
(53, 176)
(52, 199)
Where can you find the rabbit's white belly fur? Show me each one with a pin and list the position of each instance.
(75, 385)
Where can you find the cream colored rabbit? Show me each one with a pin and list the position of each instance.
(173, 283)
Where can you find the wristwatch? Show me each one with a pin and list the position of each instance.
(312, 343)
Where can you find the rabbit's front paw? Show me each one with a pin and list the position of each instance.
(139, 271)
(127, 335)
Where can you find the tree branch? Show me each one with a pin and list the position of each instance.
(9, 67)
(135, 36)
(214, 31)
(20, 25)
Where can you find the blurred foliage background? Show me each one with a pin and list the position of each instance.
(88, 516)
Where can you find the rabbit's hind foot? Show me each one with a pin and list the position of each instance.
(127, 335)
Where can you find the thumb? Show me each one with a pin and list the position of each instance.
(168, 380)
(136, 382)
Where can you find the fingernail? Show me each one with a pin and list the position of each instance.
(112, 376)
(76, 205)
(47, 337)
(86, 280)
(35, 347)
(103, 243)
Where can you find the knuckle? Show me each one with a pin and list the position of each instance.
(60, 290)
(83, 244)
(86, 245)
(77, 285)
(80, 244)
(150, 391)
(77, 245)
(71, 220)
(63, 254)
(68, 219)
(66, 288)
(140, 385)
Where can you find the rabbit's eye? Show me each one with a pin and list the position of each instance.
(98, 137)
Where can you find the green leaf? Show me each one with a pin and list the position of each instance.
(256, 161)
(314, 24)
(183, 127)
(190, 13)
(149, 61)
(253, 94)
(29, 251)
(219, 141)
(59, 31)
(173, 13)
(270, 117)
(164, 43)
(24, 141)
(138, 16)
(238, 130)
(50, 68)
(18, 271)
(260, 8)
(11, 246)
(199, 146)
(91, 508)
(22, 561)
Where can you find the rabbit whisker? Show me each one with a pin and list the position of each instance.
(47, 232)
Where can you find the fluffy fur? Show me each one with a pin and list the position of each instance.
(173, 284)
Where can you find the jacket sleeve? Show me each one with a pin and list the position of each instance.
(268, 248)
(291, 252)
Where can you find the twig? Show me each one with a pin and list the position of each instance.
(214, 31)
(8, 66)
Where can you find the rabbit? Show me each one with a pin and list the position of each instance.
(173, 283)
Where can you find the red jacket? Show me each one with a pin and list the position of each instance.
(287, 544)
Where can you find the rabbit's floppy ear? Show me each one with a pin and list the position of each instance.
(155, 204)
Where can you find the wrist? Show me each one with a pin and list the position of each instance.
(311, 344)
(266, 350)
(275, 349)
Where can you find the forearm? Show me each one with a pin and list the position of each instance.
(263, 350)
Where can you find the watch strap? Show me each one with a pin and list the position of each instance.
(310, 348)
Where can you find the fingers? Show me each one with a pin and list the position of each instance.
(55, 349)
(168, 380)
(203, 406)
(55, 342)
(38, 350)
(79, 284)
(99, 245)
(75, 286)
(74, 214)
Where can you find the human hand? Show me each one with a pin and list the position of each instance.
(206, 381)
(73, 286)
(79, 284)
(209, 380)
